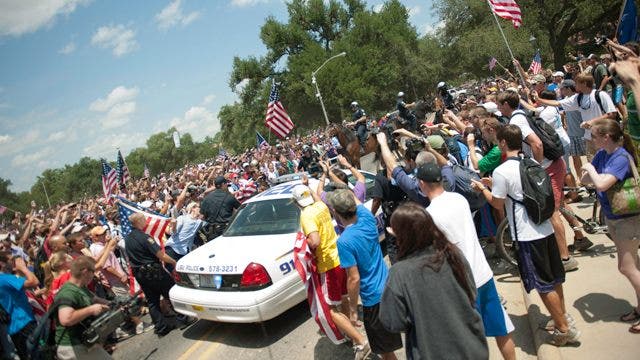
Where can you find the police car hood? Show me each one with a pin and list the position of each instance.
(237, 252)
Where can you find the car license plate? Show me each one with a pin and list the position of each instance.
(210, 281)
(197, 307)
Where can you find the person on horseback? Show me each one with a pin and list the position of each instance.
(359, 122)
(405, 113)
(443, 93)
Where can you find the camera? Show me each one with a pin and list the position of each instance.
(100, 328)
(600, 40)
(415, 145)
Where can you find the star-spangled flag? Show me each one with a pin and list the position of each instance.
(156, 224)
(277, 120)
(109, 180)
(492, 63)
(507, 9)
(261, 143)
(246, 189)
(305, 264)
(536, 63)
(122, 170)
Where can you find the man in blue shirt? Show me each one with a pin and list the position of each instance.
(184, 230)
(361, 257)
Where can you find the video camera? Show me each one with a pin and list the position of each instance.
(105, 324)
(415, 145)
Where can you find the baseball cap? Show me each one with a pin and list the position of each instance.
(219, 181)
(4, 236)
(98, 230)
(429, 172)
(558, 73)
(436, 141)
(568, 83)
(592, 56)
(342, 201)
(302, 195)
(539, 79)
(490, 106)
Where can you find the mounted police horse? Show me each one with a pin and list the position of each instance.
(350, 146)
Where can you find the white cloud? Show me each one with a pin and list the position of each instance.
(431, 29)
(240, 87)
(198, 121)
(68, 49)
(377, 8)
(415, 10)
(119, 106)
(208, 99)
(27, 160)
(172, 16)
(18, 17)
(107, 144)
(120, 39)
(63, 135)
(5, 139)
(246, 3)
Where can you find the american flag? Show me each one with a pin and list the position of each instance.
(536, 63)
(305, 264)
(109, 180)
(156, 223)
(261, 143)
(507, 9)
(246, 189)
(123, 171)
(277, 120)
(492, 63)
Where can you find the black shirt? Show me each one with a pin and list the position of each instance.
(403, 111)
(357, 115)
(218, 206)
(391, 195)
(141, 248)
(304, 163)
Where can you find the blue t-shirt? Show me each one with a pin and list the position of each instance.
(358, 246)
(15, 302)
(616, 164)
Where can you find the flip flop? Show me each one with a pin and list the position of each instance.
(633, 315)
(635, 328)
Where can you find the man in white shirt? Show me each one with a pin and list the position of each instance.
(451, 214)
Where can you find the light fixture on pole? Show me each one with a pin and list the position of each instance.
(314, 82)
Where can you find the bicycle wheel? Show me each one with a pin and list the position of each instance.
(601, 221)
(504, 244)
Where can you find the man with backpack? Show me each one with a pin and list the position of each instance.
(539, 261)
(542, 143)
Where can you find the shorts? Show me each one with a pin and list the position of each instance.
(380, 340)
(557, 170)
(540, 265)
(618, 94)
(624, 229)
(577, 146)
(334, 285)
(494, 318)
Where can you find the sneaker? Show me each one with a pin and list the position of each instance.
(362, 351)
(570, 264)
(580, 244)
(122, 335)
(550, 325)
(560, 339)
(143, 327)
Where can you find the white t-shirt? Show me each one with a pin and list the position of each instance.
(506, 181)
(588, 107)
(551, 115)
(520, 119)
(451, 214)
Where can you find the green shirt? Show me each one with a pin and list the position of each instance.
(79, 297)
(490, 161)
(633, 123)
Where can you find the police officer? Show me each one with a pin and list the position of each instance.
(307, 159)
(146, 256)
(405, 112)
(218, 207)
(359, 121)
(445, 96)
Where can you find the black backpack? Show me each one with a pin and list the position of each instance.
(462, 186)
(41, 344)
(537, 191)
(551, 145)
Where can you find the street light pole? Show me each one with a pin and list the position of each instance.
(314, 82)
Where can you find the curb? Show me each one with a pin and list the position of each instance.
(544, 351)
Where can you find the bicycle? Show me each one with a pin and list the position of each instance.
(593, 225)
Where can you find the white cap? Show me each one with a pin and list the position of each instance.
(4, 236)
(302, 195)
(254, 162)
(490, 106)
(400, 94)
(440, 84)
(558, 73)
(244, 165)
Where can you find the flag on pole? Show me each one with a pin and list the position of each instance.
(507, 9)
(536, 63)
(492, 63)
(146, 172)
(628, 23)
(305, 264)
(261, 142)
(109, 180)
(122, 171)
(156, 224)
(277, 119)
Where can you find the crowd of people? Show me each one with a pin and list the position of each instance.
(460, 174)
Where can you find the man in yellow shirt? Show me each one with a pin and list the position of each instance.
(315, 220)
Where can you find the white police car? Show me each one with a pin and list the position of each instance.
(247, 274)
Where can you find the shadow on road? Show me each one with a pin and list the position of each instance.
(596, 251)
(325, 349)
(601, 307)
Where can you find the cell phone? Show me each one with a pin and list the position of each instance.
(333, 160)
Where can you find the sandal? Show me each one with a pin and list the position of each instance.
(633, 315)
(635, 328)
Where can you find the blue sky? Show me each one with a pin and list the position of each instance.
(84, 77)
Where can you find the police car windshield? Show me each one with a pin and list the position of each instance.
(274, 216)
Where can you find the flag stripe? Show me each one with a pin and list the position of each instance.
(507, 9)
(277, 119)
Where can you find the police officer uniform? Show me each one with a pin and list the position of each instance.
(361, 128)
(217, 208)
(404, 113)
(148, 271)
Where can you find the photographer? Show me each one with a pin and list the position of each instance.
(445, 96)
(218, 208)
(308, 159)
(78, 307)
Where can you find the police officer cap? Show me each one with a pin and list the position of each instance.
(441, 84)
(219, 181)
(354, 104)
(400, 94)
